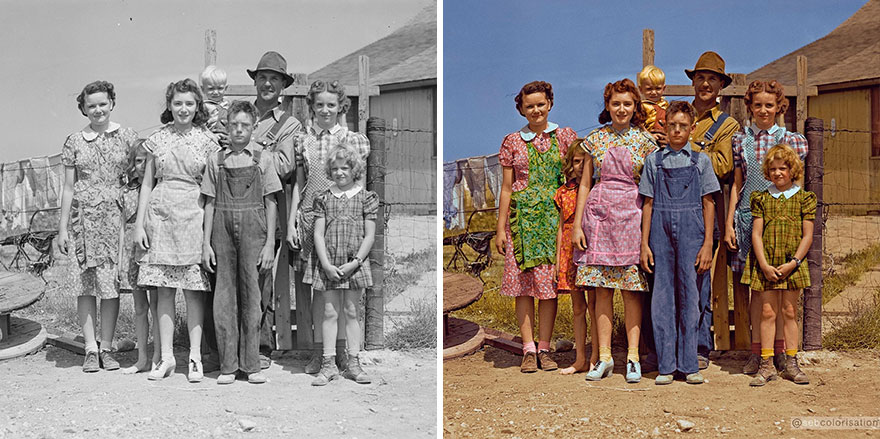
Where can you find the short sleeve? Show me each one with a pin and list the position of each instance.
(558, 197)
(646, 182)
(152, 142)
(318, 204)
(68, 151)
(708, 181)
(371, 205)
(808, 206)
(799, 143)
(359, 143)
(756, 204)
(209, 178)
(736, 145)
(505, 154)
(271, 181)
(129, 137)
(566, 137)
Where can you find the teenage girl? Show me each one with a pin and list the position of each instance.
(327, 101)
(93, 160)
(766, 102)
(566, 201)
(169, 220)
(128, 266)
(528, 222)
(607, 228)
(782, 232)
(345, 226)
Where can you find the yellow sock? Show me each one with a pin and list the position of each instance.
(632, 354)
(766, 353)
(605, 353)
(791, 352)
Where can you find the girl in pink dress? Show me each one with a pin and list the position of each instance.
(528, 220)
(608, 219)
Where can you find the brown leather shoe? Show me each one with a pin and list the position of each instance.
(792, 371)
(752, 365)
(767, 372)
(546, 362)
(529, 363)
(779, 361)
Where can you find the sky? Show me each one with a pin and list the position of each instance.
(52, 48)
(491, 48)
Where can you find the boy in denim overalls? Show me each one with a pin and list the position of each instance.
(239, 186)
(677, 183)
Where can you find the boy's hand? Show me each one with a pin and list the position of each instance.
(222, 138)
(771, 273)
(209, 260)
(660, 137)
(63, 242)
(730, 237)
(333, 273)
(704, 259)
(578, 239)
(647, 258)
(267, 257)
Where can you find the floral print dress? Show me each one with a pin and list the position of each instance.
(98, 159)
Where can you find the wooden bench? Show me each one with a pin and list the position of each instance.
(19, 336)
(460, 337)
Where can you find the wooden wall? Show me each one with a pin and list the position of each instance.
(851, 175)
(411, 156)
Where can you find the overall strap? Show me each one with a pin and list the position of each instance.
(256, 157)
(277, 127)
(221, 158)
(715, 127)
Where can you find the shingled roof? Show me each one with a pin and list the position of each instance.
(407, 54)
(851, 52)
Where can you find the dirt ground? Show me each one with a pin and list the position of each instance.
(486, 396)
(48, 395)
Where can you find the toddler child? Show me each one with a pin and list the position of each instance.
(128, 267)
(213, 80)
(782, 232)
(652, 84)
(239, 186)
(566, 201)
(345, 226)
(677, 183)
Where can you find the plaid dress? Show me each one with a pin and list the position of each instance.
(343, 234)
(783, 229)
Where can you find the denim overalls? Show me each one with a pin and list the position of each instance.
(677, 233)
(238, 236)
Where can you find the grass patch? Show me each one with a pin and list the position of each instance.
(861, 330)
(418, 331)
(852, 267)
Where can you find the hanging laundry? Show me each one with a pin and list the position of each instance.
(493, 176)
(450, 169)
(475, 173)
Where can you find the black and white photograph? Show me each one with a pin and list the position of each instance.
(218, 219)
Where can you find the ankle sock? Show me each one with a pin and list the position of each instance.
(529, 347)
(766, 352)
(791, 352)
(756, 348)
(605, 353)
(632, 354)
(778, 346)
(543, 345)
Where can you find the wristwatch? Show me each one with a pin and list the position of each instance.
(796, 261)
(359, 260)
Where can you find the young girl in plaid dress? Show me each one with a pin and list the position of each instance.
(345, 225)
(782, 232)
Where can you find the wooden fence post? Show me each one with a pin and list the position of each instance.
(210, 47)
(364, 99)
(647, 47)
(374, 318)
(801, 110)
(812, 339)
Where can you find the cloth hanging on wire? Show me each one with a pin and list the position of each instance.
(450, 169)
(493, 176)
(475, 173)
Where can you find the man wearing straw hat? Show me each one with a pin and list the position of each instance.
(712, 134)
(275, 130)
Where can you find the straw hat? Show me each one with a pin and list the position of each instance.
(273, 61)
(710, 62)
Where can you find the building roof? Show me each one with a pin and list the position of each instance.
(407, 54)
(850, 52)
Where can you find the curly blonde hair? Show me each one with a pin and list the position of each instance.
(576, 147)
(787, 154)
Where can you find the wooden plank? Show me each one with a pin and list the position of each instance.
(67, 341)
(5, 326)
(299, 106)
(801, 92)
(731, 90)
(210, 47)
(720, 302)
(737, 107)
(503, 340)
(363, 93)
(304, 331)
(742, 337)
(284, 335)
(647, 47)
(27, 337)
(294, 90)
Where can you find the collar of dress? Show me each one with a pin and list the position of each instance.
(755, 131)
(788, 193)
(527, 134)
(338, 193)
(89, 134)
(316, 130)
